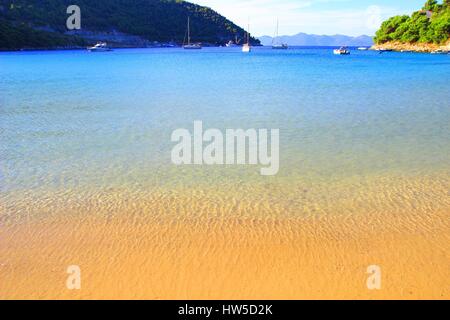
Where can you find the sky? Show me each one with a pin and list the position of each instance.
(349, 17)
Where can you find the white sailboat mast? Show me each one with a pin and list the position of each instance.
(189, 30)
(275, 39)
(248, 34)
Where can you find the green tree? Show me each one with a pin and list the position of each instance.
(431, 5)
(439, 30)
(389, 27)
(419, 27)
(153, 20)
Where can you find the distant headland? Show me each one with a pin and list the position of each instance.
(426, 30)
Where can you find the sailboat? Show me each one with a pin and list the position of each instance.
(247, 46)
(189, 45)
(276, 45)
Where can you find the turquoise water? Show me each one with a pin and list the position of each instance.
(76, 119)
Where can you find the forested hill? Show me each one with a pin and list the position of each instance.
(431, 24)
(42, 23)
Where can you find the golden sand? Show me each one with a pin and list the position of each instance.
(282, 242)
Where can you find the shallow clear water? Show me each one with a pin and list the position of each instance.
(86, 177)
(75, 119)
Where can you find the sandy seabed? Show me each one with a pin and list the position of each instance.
(288, 242)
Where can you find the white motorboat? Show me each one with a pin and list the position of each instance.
(341, 51)
(231, 44)
(363, 48)
(100, 47)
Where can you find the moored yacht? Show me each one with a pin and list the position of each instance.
(189, 45)
(246, 48)
(193, 46)
(282, 46)
(276, 44)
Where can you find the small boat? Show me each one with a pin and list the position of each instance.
(194, 46)
(342, 51)
(100, 47)
(189, 45)
(440, 51)
(277, 45)
(233, 44)
(363, 48)
(382, 50)
(282, 46)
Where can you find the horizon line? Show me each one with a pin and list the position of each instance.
(314, 34)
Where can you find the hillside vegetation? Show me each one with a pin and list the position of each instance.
(22, 36)
(429, 25)
(42, 23)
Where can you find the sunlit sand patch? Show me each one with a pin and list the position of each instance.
(285, 240)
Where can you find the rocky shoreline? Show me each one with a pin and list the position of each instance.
(414, 47)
